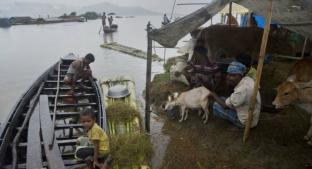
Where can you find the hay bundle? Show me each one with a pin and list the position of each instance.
(121, 111)
(131, 149)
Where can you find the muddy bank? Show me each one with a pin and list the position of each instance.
(277, 141)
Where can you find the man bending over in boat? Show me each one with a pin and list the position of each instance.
(94, 149)
(79, 69)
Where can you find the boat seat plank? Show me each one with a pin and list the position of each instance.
(74, 105)
(62, 126)
(63, 142)
(53, 155)
(62, 81)
(67, 88)
(34, 152)
(45, 164)
(56, 76)
(76, 96)
(65, 126)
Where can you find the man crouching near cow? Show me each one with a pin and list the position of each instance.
(235, 107)
(79, 69)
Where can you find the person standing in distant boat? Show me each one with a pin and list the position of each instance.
(79, 69)
(165, 20)
(104, 19)
(110, 20)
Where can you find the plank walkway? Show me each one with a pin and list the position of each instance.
(129, 50)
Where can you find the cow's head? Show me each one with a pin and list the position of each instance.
(171, 102)
(287, 93)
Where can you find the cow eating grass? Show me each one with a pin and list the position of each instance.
(196, 98)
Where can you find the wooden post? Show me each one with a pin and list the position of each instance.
(230, 14)
(148, 79)
(304, 47)
(259, 71)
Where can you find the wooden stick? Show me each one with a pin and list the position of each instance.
(252, 105)
(55, 103)
(192, 3)
(148, 79)
(304, 47)
(230, 14)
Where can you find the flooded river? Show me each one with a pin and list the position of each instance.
(27, 51)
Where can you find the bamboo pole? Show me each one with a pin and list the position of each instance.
(265, 36)
(304, 47)
(148, 79)
(230, 14)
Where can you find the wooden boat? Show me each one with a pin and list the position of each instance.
(109, 29)
(33, 136)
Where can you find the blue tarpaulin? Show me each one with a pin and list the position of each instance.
(261, 21)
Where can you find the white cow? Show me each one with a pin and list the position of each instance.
(196, 98)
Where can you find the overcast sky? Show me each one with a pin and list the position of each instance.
(155, 5)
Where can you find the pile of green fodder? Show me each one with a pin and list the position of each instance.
(131, 149)
(121, 111)
(162, 87)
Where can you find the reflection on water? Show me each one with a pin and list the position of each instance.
(108, 37)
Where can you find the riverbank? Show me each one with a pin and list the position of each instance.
(277, 141)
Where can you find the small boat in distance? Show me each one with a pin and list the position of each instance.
(42, 128)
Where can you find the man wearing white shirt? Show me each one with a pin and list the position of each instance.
(235, 107)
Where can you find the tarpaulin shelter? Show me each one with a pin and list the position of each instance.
(295, 15)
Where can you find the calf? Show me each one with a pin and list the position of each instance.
(297, 90)
(299, 94)
(196, 98)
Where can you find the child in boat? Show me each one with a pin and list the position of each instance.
(79, 69)
(95, 147)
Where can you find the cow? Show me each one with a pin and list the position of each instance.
(297, 89)
(196, 98)
(223, 41)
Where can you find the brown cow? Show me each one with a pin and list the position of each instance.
(224, 41)
(297, 90)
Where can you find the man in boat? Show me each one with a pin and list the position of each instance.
(235, 108)
(110, 20)
(79, 69)
(104, 19)
(165, 20)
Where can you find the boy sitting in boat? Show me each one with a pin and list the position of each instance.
(79, 69)
(95, 148)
